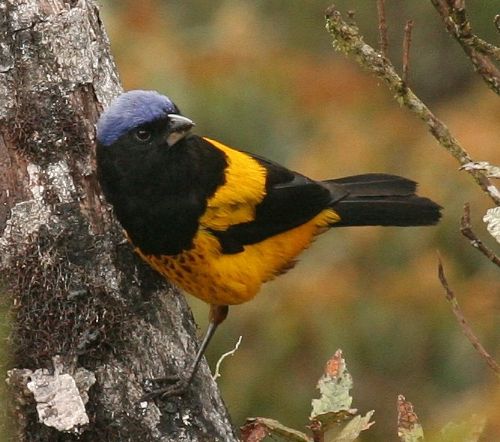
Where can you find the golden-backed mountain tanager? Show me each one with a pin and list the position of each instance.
(218, 221)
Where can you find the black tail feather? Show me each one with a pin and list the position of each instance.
(382, 200)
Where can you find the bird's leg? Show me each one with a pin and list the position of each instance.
(218, 313)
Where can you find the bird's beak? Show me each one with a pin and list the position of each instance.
(179, 126)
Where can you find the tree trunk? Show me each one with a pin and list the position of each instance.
(90, 323)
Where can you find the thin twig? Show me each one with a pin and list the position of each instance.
(459, 16)
(406, 51)
(490, 170)
(347, 39)
(464, 325)
(479, 52)
(466, 229)
(224, 356)
(382, 28)
(475, 41)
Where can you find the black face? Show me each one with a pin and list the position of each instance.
(159, 189)
(144, 137)
(171, 128)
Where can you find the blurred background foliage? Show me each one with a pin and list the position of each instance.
(262, 76)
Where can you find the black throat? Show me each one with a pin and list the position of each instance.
(158, 192)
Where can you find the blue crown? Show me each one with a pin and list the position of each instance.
(130, 110)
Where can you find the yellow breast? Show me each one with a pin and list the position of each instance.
(225, 279)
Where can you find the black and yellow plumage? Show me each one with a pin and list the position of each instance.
(218, 221)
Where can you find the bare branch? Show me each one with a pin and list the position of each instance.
(479, 52)
(406, 50)
(382, 28)
(457, 9)
(347, 39)
(464, 325)
(466, 229)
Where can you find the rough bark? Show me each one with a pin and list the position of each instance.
(90, 323)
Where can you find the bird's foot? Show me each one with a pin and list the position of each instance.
(156, 388)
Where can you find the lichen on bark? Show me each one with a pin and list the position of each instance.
(78, 292)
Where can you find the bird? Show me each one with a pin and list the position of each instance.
(219, 221)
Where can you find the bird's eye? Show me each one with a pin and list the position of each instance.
(142, 135)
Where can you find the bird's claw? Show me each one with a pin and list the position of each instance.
(178, 387)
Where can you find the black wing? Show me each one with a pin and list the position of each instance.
(291, 200)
